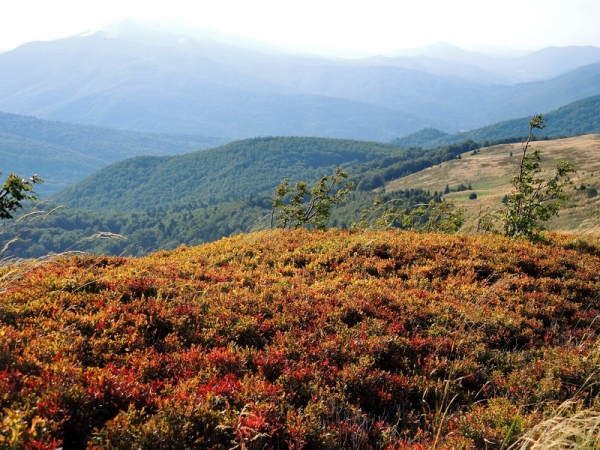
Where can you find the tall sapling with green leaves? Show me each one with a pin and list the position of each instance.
(534, 199)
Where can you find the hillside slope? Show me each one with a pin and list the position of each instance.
(234, 171)
(489, 173)
(301, 340)
(63, 153)
(580, 117)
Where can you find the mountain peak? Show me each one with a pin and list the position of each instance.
(172, 32)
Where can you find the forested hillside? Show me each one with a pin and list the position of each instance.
(163, 202)
(244, 168)
(139, 233)
(64, 153)
(234, 171)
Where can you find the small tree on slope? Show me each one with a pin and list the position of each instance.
(534, 200)
(14, 191)
(315, 213)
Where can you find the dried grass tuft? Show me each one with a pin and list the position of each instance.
(570, 428)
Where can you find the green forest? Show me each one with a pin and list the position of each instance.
(139, 233)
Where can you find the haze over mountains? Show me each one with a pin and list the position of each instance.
(139, 77)
(544, 64)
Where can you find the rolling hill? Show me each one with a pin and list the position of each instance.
(298, 339)
(63, 153)
(233, 171)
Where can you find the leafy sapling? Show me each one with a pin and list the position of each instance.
(14, 191)
(534, 199)
(314, 213)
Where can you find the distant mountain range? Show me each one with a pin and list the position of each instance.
(146, 78)
(110, 81)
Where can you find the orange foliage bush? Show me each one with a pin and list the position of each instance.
(297, 339)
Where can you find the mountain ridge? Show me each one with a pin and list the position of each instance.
(210, 88)
(580, 117)
(154, 89)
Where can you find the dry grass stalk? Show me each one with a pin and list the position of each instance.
(570, 428)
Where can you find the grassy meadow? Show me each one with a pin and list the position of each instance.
(489, 173)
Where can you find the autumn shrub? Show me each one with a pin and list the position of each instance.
(295, 339)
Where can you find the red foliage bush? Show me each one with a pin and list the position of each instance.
(300, 339)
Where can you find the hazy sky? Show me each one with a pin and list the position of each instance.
(375, 26)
